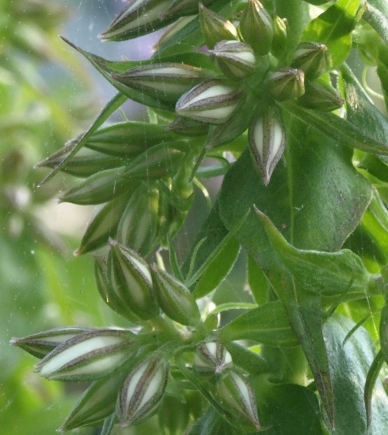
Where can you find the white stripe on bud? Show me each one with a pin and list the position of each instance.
(211, 357)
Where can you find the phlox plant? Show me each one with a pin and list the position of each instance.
(273, 96)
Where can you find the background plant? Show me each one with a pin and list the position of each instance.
(272, 100)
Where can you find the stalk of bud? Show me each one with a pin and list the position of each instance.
(256, 27)
(142, 391)
(212, 102)
(42, 343)
(131, 279)
(267, 140)
(286, 84)
(211, 357)
(312, 58)
(236, 397)
(215, 27)
(321, 95)
(87, 356)
(174, 298)
(235, 59)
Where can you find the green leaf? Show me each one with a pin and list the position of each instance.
(213, 423)
(376, 14)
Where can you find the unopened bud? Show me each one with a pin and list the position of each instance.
(138, 18)
(235, 59)
(174, 298)
(213, 102)
(279, 41)
(211, 357)
(87, 356)
(321, 95)
(312, 58)
(236, 397)
(256, 27)
(131, 279)
(142, 391)
(286, 84)
(164, 81)
(215, 27)
(42, 343)
(267, 140)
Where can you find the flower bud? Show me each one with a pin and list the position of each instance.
(213, 102)
(97, 403)
(256, 27)
(174, 298)
(215, 27)
(138, 18)
(164, 81)
(131, 280)
(142, 391)
(187, 127)
(312, 58)
(236, 397)
(321, 95)
(286, 84)
(98, 188)
(235, 59)
(279, 41)
(211, 357)
(157, 162)
(267, 140)
(87, 356)
(42, 343)
(140, 234)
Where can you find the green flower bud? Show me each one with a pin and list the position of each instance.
(128, 139)
(157, 162)
(142, 391)
(286, 84)
(140, 234)
(267, 140)
(174, 416)
(131, 280)
(235, 59)
(42, 343)
(188, 127)
(236, 397)
(165, 81)
(256, 27)
(213, 102)
(321, 95)
(174, 298)
(279, 41)
(138, 18)
(215, 27)
(99, 188)
(312, 58)
(211, 357)
(97, 403)
(87, 356)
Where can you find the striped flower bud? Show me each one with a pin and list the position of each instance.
(138, 18)
(279, 41)
(131, 280)
(174, 298)
(235, 59)
(267, 140)
(164, 81)
(321, 95)
(213, 102)
(312, 58)
(42, 343)
(215, 27)
(211, 357)
(157, 162)
(88, 356)
(140, 234)
(97, 403)
(234, 394)
(142, 391)
(256, 27)
(188, 127)
(98, 188)
(286, 84)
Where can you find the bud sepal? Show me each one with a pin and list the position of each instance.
(286, 83)
(312, 58)
(211, 357)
